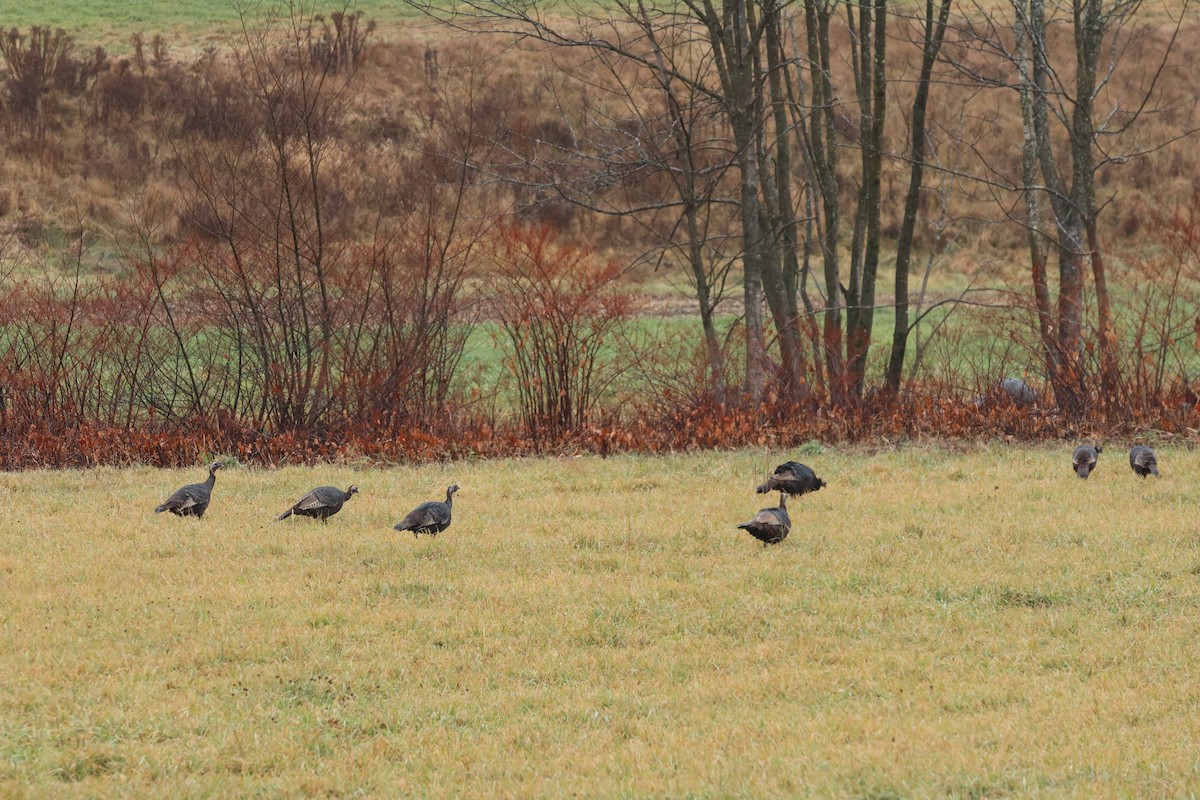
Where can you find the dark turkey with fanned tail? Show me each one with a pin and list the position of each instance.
(770, 525)
(793, 478)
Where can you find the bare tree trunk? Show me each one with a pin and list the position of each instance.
(822, 155)
(734, 40)
(781, 287)
(1067, 372)
(752, 256)
(1033, 212)
(1090, 28)
(1109, 376)
(935, 30)
(869, 54)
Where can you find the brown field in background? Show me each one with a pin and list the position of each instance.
(106, 157)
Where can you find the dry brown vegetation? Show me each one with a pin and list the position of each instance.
(105, 138)
(281, 250)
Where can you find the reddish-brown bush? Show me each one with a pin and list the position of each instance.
(558, 307)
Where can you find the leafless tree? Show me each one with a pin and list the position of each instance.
(745, 116)
(671, 50)
(933, 26)
(1062, 59)
(317, 320)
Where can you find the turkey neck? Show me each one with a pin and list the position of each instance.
(449, 498)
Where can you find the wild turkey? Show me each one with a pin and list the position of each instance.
(770, 525)
(1012, 391)
(1083, 460)
(432, 517)
(1144, 460)
(1017, 392)
(793, 478)
(321, 503)
(192, 500)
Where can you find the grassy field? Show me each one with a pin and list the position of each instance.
(978, 624)
(112, 21)
(97, 20)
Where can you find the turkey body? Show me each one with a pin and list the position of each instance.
(1143, 460)
(792, 478)
(1017, 392)
(432, 517)
(1084, 459)
(192, 500)
(321, 503)
(770, 525)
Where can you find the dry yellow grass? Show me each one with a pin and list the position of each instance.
(938, 624)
